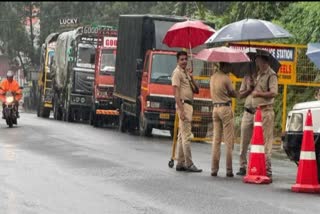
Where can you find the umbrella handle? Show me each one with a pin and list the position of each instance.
(191, 56)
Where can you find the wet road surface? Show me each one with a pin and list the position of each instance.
(49, 166)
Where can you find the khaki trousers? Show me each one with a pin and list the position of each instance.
(245, 138)
(184, 137)
(223, 123)
(268, 126)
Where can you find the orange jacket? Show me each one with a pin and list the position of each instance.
(5, 86)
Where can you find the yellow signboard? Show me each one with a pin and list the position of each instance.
(284, 53)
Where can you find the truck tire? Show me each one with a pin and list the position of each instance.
(56, 112)
(145, 128)
(200, 132)
(45, 113)
(123, 122)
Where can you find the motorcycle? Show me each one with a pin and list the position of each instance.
(10, 109)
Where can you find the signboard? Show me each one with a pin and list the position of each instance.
(66, 22)
(285, 54)
(110, 42)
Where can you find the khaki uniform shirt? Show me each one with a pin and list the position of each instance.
(180, 79)
(248, 101)
(218, 87)
(261, 84)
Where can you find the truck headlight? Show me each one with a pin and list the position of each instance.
(296, 122)
(204, 108)
(83, 100)
(77, 99)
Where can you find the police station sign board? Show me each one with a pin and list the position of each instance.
(285, 54)
(110, 42)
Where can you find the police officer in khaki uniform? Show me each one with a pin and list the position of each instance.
(247, 121)
(222, 90)
(266, 88)
(184, 99)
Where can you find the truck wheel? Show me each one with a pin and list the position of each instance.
(38, 110)
(68, 116)
(200, 132)
(123, 123)
(57, 112)
(145, 129)
(45, 113)
(172, 133)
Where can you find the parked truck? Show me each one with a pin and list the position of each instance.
(44, 81)
(104, 109)
(144, 67)
(73, 74)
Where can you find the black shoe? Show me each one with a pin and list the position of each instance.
(214, 174)
(230, 174)
(180, 168)
(242, 172)
(18, 115)
(193, 168)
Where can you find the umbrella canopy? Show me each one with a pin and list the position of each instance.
(313, 52)
(248, 29)
(222, 54)
(241, 69)
(187, 34)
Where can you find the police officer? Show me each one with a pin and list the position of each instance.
(222, 90)
(247, 121)
(266, 88)
(181, 82)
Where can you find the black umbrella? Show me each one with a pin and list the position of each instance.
(248, 29)
(243, 68)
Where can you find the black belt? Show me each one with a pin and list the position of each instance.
(251, 111)
(221, 104)
(187, 101)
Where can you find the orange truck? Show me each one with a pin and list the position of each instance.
(144, 67)
(104, 110)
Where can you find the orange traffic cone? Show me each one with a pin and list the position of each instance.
(256, 172)
(307, 177)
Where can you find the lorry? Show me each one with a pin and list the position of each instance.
(144, 67)
(73, 74)
(293, 134)
(104, 110)
(44, 80)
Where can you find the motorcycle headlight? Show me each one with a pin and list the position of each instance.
(296, 122)
(204, 108)
(9, 99)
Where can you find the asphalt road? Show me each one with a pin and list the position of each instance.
(49, 166)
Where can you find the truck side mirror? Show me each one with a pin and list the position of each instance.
(139, 64)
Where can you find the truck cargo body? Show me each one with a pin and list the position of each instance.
(74, 75)
(144, 67)
(44, 81)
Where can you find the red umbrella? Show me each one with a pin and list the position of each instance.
(222, 54)
(187, 34)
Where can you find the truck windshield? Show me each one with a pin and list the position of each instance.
(108, 61)
(164, 64)
(162, 67)
(86, 55)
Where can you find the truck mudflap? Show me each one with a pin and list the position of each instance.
(107, 112)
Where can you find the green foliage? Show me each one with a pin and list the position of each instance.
(301, 19)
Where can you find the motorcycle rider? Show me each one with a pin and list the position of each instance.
(11, 85)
